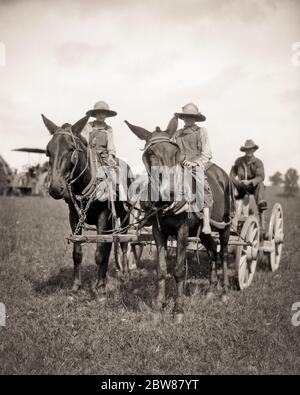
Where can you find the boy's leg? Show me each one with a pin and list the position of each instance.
(208, 201)
(206, 221)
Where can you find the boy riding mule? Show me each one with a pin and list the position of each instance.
(71, 179)
(167, 220)
(100, 135)
(194, 144)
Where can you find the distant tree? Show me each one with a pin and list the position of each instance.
(276, 179)
(291, 178)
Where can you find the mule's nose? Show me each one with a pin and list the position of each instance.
(56, 191)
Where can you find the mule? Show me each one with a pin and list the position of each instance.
(70, 174)
(161, 151)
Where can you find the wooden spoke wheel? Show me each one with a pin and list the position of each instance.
(246, 254)
(275, 236)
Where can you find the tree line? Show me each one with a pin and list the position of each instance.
(289, 181)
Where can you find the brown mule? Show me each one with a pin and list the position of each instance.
(160, 151)
(67, 152)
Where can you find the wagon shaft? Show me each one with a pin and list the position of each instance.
(121, 238)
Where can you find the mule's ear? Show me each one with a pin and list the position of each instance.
(172, 126)
(79, 125)
(141, 133)
(49, 125)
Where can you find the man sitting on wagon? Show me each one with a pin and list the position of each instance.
(248, 175)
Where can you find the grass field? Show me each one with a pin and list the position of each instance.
(48, 330)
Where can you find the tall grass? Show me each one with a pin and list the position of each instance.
(51, 331)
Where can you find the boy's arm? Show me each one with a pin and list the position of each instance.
(111, 149)
(206, 154)
(86, 131)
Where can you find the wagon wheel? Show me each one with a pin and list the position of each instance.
(246, 255)
(275, 236)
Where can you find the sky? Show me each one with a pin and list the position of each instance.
(146, 59)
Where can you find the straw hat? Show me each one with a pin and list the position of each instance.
(101, 107)
(191, 110)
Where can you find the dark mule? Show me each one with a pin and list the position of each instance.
(68, 163)
(160, 151)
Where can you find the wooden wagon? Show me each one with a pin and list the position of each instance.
(249, 242)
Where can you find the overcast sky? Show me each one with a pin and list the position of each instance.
(147, 59)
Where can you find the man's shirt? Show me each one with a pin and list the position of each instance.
(249, 170)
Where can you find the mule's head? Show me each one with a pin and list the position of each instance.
(161, 156)
(63, 149)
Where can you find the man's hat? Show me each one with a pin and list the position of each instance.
(191, 110)
(249, 144)
(101, 107)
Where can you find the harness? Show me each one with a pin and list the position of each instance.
(78, 200)
(82, 202)
(75, 154)
(167, 209)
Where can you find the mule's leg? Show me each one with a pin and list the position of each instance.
(160, 240)
(182, 241)
(102, 251)
(211, 247)
(124, 248)
(224, 239)
(77, 259)
(77, 252)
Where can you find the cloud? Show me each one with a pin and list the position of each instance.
(76, 54)
(219, 85)
(291, 95)
(147, 59)
(184, 10)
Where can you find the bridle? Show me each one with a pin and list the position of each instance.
(167, 209)
(153, 141)
(75, 155)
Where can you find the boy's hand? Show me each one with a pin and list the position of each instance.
(111, 160)
(246, 182)
(189, 164)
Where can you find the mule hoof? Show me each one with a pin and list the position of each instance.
(101, 298)
(178, 318)
(157, 317)
(119, 274)
(75, 288)
(225, 299)
(210, 295)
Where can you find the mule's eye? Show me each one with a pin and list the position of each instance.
(47, 153)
